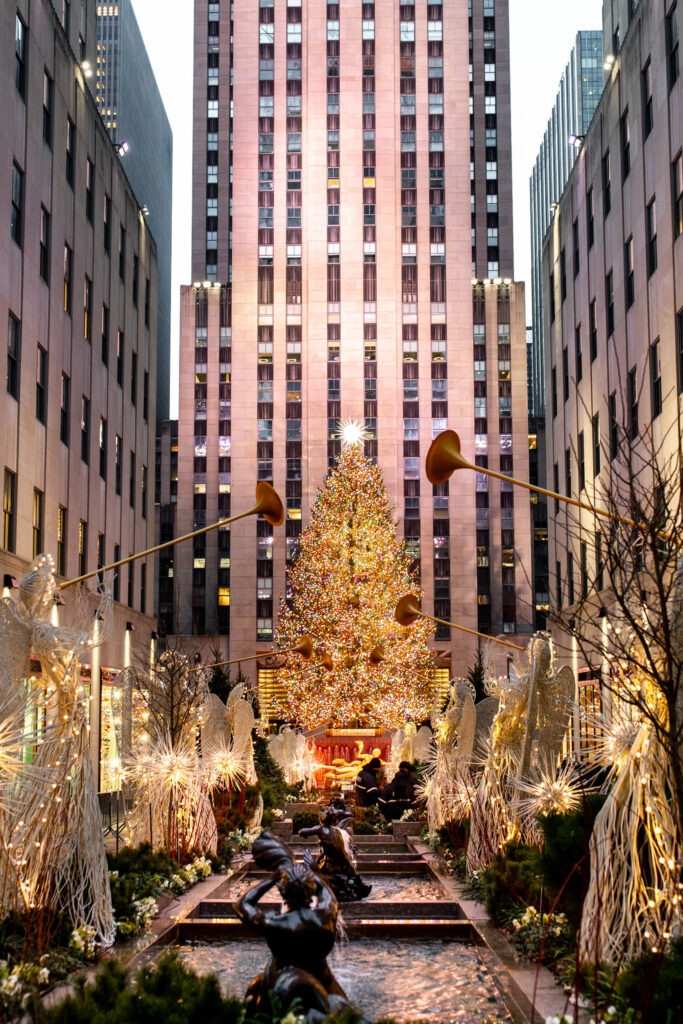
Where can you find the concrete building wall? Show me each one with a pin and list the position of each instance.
(655, 313)
(41, 440)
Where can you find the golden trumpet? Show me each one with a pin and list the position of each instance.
(304, 648)
(445, 456)
(268, 505)
(377, 655)
(326, 663)
(408, 611)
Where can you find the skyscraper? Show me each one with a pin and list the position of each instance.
(77, 409)
(132, 109)
(333, 278)
(577, 97)
(613, 309)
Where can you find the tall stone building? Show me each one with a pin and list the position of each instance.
(333, 279)
(78, 306)
(613, 292)
(132, 109)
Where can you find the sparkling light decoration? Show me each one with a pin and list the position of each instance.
(342, 591)
(52, 854)
(351, 433)
(548, 790)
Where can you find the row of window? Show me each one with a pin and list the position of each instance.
(9, 526)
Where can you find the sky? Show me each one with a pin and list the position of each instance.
(542, 28)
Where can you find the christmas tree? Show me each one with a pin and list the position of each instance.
(342, 591)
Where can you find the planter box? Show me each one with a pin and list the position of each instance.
(297, 808)
(401, 829)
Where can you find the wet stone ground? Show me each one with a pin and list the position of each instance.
(431, 980)
(385, 889)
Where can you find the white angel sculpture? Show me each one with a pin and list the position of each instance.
(53, 846)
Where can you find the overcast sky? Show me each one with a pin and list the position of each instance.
(542, 33)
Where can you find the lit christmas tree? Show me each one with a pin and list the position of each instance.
(342, 591)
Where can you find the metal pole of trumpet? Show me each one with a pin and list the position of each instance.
(444, 457)
(408, 610)
(268, 504)
(305, 649)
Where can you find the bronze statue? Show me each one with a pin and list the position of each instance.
(300, 939)
(336, 861)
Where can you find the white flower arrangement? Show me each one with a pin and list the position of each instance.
(83, 941)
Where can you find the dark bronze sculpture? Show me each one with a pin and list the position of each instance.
(300, 939)
(336, 862)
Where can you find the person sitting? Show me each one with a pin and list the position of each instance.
(399, 796)
(367, 788)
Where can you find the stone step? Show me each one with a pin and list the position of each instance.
(204, 929)
(387, 910)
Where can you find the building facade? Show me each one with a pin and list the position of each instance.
(129, 101)
(577, 97)
(333, 280)
(613, 284)
(77, 412)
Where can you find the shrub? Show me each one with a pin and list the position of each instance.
(513, 877)
(565, 861)
(654, 985)
(304, 819)
(270, 776)
(167, 992)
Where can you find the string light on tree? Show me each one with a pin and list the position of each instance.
(342, 591)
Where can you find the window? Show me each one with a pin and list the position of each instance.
(625, 136)
(648, 109)
(556, 486)
(70, 150)
(147, 301)
(105, 334)
(609, 303)
(584, 569)
(65, 410)
(655, 379)
(570, 578)
(106, 216)
(131, 481)
(553, 385)
(101, 557)
(66, 16)
(593, 329)
(606, 184)
(102, 445)
(37, 522)
(551, 296)
(134, 378)
(85, 429)
(145, 396)
(143, 492)
(679, 348)
(9, 510)
(87, 309)
(632, 397)
(41, 386)
(590, 217)
(651, 237)
(131, 584)
(61, 541)
(118, 457)
(565, 375)
(578, 354)
(119, 357)
(116, 585)
(68, 277)
(13, 355)
(596, 443)
(576, 248)
(581, 459)
(563, 275)
(122, 253)
(677, 194)
(568, 471)
(143, 587)
(45, 245)
(89, 188)
(629, 278)
(20, 37)
(613, 427)
(672, 65)
(17, 216)
(48, 106)
(82, 547)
